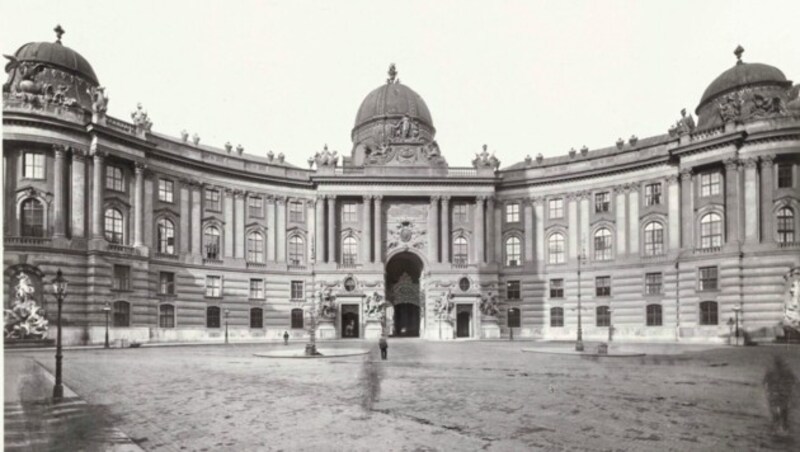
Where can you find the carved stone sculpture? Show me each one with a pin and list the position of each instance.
(326, 158)
(228, 147)
(25, 319)
(484, 160)
(239, 149)
(99, 100)
(184, 135)
(196, 139)
(141, 120)
(730, 109)
(683, 126)
(489, 305)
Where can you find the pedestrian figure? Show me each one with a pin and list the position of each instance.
(779, 382)
(384, 347)
(285, 338)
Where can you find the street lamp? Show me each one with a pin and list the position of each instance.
(107, 309)
(60, 290)
(227, 314)
(736, 310)
(579, 342)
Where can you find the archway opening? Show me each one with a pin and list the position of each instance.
(403, 273)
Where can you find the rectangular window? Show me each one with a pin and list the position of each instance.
(513, 290)
(33, 165)
(459, 213)
(214, 286)
(603, 316)
(556, 208)
(114, 178)
(297, 290)
(122, 277)
(122, 314)
(166, 316)
(349, 213)
(654, 317)
(257, 289)
(709, 313)
(708, 278)
(166, 283)
(296, 212)
(256, 318)
(556, 288)
(785, 179)
(652, 283)
(710, 184)
(512, 213)
(556, 317)
(602, 286)
(255, 206)
(602, 202)
(212, 199)
(165, 192)
(652, 194)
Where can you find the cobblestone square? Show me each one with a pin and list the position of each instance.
(432, 396)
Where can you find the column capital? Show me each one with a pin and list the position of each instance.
(367, 198)
(686, 174)
(60, 150)
(767, 160)
(435, 199)
(140, 167)
(731, 164)
(99, 155)
(481, 198)
(238, 194)
(280, 200)
(445, 198)
(78, 154)
(534, 200)
(750, 162)
(671, 179)
(378, 198)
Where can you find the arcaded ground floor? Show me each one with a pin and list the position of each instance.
(433, 396)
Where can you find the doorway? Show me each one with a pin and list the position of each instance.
(463, 320)
(350, 321)
(403, 291)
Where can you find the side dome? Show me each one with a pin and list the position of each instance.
(762, 79)
(50, 73)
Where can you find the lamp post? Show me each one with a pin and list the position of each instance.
(60, 290)
(579, 342)
(107, 309)
(311, 346)
(227, 314)
(736, 310)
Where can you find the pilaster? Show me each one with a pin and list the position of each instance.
(98, 192)
(433, 231)
(271, 228)
(732, 201)
(529, 225)
(319, 215)
(633, 219)
(59, 223)
(228, 213)
(280, 229)
(687, 209)
(621, 212)
(480, 248)
(138, 204)
(444, 215)
(767, 194)
(751, 201)
(78, 208)
(332, 229)
(378, 229)
(239, 215)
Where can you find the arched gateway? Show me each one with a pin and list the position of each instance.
(403, 272)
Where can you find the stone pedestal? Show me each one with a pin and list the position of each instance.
(442, 330)
(373, 329)
(490, 328)
(326, 330)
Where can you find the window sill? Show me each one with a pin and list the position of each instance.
(709, 291)
(257, 299)
(121, 290)
(166, 295)
(213, 297)
(296, 300)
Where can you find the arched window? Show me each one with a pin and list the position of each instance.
(603, 316)
(460, 251)
(785, 225)
(602, 245)
(166, 316)
(255, 247)
(709, 313)
(296, 250)
(349, 251)
(555, 248)
(166, 236)
(711, 231)
(556, 317)
(32, 221)
(114, 226)
(654, 315)
(653, 239)
(256, 318)
(122, 313)
(513, 246)
(212, 317)
(297, 318)
(212, 242)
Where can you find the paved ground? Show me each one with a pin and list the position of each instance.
(431, 396)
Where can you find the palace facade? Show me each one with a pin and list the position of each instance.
(663, 238)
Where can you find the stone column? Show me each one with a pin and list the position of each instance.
(732, 200)
(138, 205)
(378, 229)
(332, 229)
(366, 233)
(185, 220)
(319, 247)
(444, 224)
(271, 228)
(59, 223)
(78, 208)
(480, 247)
(197, 213)
(572, 223)
(528, 223)
(767, 194)
(620, 211)
(239, 216)
(308, 207)
(497, 235)
(491, 240)
(687, 208)
(227, 209)
(98, 189)
(751, 201)
(538, 220)
(433, 233)
(633, 219)
(674, 215)
(584, 234)
(280, 229)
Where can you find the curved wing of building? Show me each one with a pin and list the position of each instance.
(663, 238)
